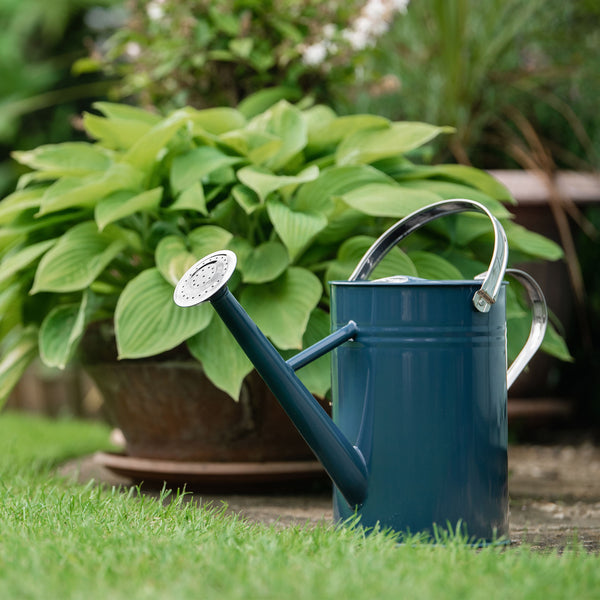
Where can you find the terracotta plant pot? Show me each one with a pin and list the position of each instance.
(168, 409)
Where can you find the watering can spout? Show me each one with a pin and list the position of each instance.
(345, 464)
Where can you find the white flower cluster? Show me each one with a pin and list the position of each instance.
(373, 21)
(154, 10)
(315, 54)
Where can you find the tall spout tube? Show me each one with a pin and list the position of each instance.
(343, 462)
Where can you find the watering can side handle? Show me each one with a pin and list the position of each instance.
(322, 347)
(539, 320)
(488, 293)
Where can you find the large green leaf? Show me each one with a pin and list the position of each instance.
(246, 198)
(262, 100)
(282, 307)
(11, 300)
(325, 131)
(448, 190)
(216, 121)
(514, 304)
(335, 181)
(61, 331)
(173, 258)
(467, 227)
(223, 361)
(316, 376)
(242, 248)
(317, 118)
(555, 345)
(127, 112)
(287, 123)
(19, 202)
(531, 243)
(398, 167)
(296, 229)
(518, 331)
(208, 238)
(383, 200)
(23, 258)
(18, 351)
(369, 145)
(264, 263)
(395, 262)
(464, 174)
(433, 266)
(263, 181)
(117, 133)
(74, 192)
(26, 224)
(469, 266)
(27, 180)
(257, 146)
(146, 150)
(123, 203)
(76, 260)
(343, 223)
(73, 159)
(192, 198)
(147, 320)
(192, 166)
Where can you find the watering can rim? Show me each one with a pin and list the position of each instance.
(413, 282)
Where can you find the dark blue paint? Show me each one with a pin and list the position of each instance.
(419, 430)
(422, 392)
(333, 340)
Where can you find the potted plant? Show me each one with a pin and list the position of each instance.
(97, 234)
(511, 81)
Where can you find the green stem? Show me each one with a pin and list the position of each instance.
(18, 108)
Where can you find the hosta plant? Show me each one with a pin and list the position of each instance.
(102, 231)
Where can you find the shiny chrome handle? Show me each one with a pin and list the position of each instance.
(488, 292)
(539, 320)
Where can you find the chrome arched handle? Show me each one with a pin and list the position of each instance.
(488, 293)
(539, 320)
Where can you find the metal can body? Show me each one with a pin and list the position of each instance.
(421, 390)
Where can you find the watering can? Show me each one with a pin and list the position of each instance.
(418, 438)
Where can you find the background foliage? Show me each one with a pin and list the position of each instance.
(39, 98)
(174, 53)
(489, 70)
(485, 69)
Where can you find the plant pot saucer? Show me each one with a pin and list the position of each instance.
(212, 474)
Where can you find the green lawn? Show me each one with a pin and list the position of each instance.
(63, 540)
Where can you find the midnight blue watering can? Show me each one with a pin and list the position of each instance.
(419, 381)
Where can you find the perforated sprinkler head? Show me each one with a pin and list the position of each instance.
(205, 279)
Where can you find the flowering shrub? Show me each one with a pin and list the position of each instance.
(175, 52)
(447, 63)
(374, 19)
